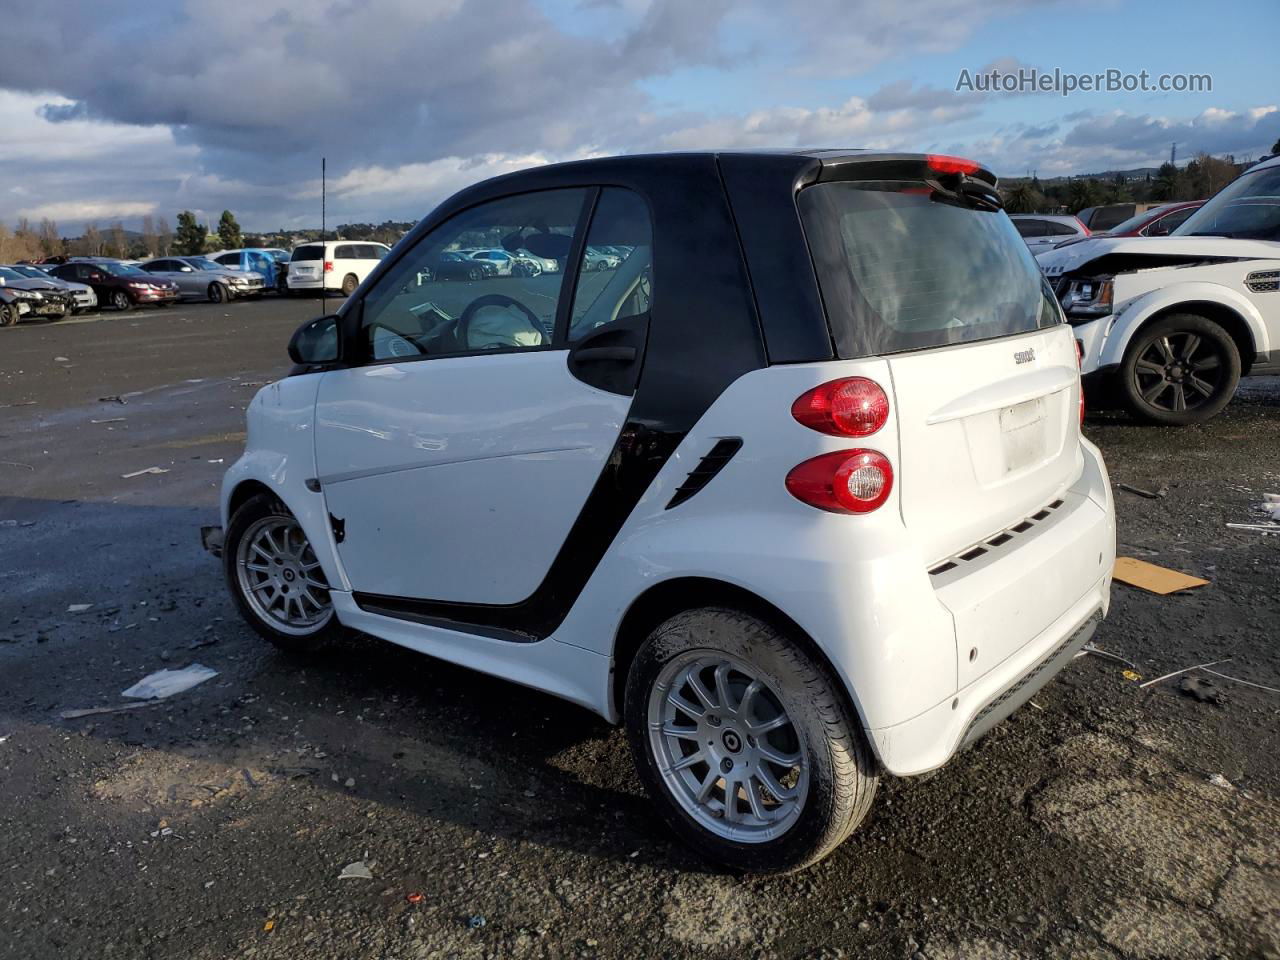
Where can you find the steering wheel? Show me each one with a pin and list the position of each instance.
(462, 330)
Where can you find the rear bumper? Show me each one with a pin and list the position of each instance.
(305, 284)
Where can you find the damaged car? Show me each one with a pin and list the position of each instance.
(1173, 323)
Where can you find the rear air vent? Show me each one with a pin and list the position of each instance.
(707, 468)
(999, 540)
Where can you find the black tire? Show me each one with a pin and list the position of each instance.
(217, 292)
(261, 507)
(475, 273)
(121, 300)
(842, 773)
(8, 314)
(349, 284)
(1180, 370)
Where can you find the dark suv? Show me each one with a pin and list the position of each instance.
(120, 284)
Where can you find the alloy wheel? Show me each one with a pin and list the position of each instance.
(1179, 371)
(280, 577)
(726, 748)
(120, 300)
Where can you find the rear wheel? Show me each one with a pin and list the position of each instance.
(275, 577)
(745, 742)
(349, 284)
(1180, 370)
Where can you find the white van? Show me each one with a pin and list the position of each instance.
(333, 265)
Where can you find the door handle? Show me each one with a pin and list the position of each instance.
(593, 354)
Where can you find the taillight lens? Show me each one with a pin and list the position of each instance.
(328, 266)
(847, 481)
(941, 163)
(850, 407)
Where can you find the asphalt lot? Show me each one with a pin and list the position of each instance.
(1108, 820)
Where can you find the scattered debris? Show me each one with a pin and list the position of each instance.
(1096, 651)
(114, 398)
(219, 460)
(1175, 673)
(24, 403)
(1202, 690)
(15, 463)
(412, 898)
(8, 735)
(476, 922)
(1263, 528)
(79, 607)
(165, 683)
(206, 641)
(1158, 494)
(94, 711)
(1147, 576)
(111, 420)
(268, 926)
(356, 871)
(138, 473)
(61, 359)
(1247, 683)
(1131, 675)
(350, 783)
(1218, 780)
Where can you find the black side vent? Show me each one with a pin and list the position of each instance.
(707, 468)
(999, 540)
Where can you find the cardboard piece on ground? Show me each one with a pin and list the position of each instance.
(1147, 576)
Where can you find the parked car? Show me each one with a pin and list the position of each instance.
(544, 264)
(117, 283)
(1156, 222)
(798, 491)
(333, 265)
(271, 263)
(454, 265)
(14, 305)
(82, 296)
(1044, 231)
(503, 262)
(201, 278)
(44, 296)
(1174, 322)
(594, 258)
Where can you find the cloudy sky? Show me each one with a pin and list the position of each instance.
(118, 109)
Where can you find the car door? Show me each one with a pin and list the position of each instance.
(458, 451)
(169, 270)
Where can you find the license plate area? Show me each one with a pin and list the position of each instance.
(1024, 434)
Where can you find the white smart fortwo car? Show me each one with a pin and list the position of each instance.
(1174, 322)
(796, 490)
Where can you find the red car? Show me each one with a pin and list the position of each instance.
(1157, 222)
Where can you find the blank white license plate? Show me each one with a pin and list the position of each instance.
(1024, 432)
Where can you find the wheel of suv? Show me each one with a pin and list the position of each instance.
(8, 314)
(349, 284)
(121, 300)
(217, 293)
(275, 577)
(1179, 370)
(745, 742)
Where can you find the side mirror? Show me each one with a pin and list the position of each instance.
(188, 269)
(315, 342)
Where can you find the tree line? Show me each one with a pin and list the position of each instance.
(1198, 180)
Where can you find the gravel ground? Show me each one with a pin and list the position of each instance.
(1107, 820)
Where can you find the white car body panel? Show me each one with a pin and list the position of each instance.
(460, 451)
(1145, 293)
(860, 586)
(311, 275)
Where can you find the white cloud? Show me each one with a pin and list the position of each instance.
(80, 211)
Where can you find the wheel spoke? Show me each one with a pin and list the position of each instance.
(1211, 362)
(700, 690)
(684, 706)
(1166, 349)
(754, 799)
(773, 786)
(722, 686)
(774, 756)
(1151, 394)
(258, 567)
(708, 782)
(1148, 366)
(781, 720)
(731, 800)
(684, 764)
(256, 548)
(1190, 347)
(1179, 397)
(1200, 386)
(682, 733)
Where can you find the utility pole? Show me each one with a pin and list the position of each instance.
(324, 286)
(1173, 154)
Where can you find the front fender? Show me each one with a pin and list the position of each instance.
(1137, 311)
(280, 456)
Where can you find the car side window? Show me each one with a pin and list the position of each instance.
(1030, 228)
(615, 279)
(344, 252)
(1166, 225)
(438, 300)
(1060, 229)
(229, 259)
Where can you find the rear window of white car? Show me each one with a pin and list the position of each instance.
(903, 267)
(313, 252)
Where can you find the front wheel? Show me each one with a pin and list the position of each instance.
(120, 300)
(8, 314)
(745, 742)
(217, 293)
(1180, 370)
(275, 578)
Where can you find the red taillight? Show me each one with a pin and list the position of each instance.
(850, 407)
(940, 163)
(847, 481)
(328, 266)
(1087, 231)
(1080, 367)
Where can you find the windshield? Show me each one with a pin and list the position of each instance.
(7, 274)
(32, 272)
(901, 267)
(119, 269)
(1247, 208)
